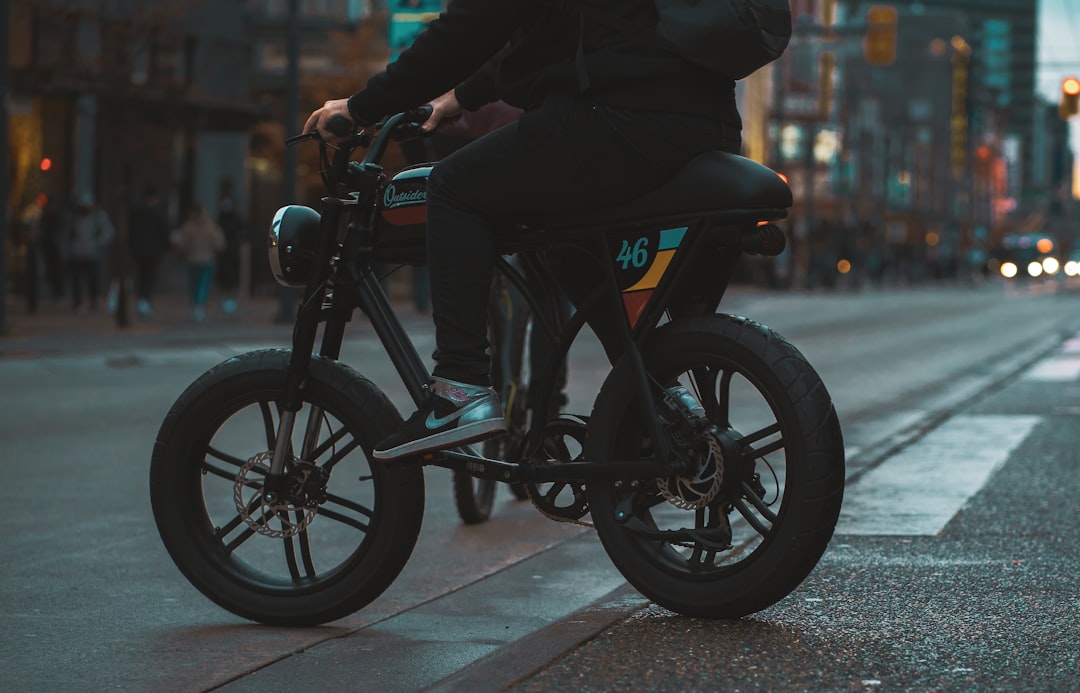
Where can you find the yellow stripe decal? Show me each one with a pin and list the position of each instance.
(652, 277)
(414, 16)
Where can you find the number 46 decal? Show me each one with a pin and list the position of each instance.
(636, 256)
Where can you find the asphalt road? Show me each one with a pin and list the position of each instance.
(968, 583)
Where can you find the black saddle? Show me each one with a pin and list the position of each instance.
(714, 183)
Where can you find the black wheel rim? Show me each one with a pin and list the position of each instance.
(345, 517)
(761, 431)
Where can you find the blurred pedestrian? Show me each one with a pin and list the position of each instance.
(30, 237)
(148, 238)
(228, 267)
(199, 239)
(54, 224)
(88, 237)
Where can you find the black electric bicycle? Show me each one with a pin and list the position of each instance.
(711, 463)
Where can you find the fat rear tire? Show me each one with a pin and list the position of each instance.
(773, 382)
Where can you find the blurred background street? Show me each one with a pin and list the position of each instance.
(923, 141)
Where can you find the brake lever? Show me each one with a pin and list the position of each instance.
(338, 126)
(303, 137)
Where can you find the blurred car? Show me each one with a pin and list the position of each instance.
(1071, 268)
(1028, 256)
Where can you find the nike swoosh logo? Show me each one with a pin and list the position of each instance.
(432, 422)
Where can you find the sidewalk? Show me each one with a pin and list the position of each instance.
(56, 329)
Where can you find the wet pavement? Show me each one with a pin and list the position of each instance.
(978, 593)
(987, 600)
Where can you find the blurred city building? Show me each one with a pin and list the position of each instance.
(910, 132)
(117, 95)
(912, 136)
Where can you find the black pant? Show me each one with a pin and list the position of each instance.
(146, 273)
(569, 154)
(85, 271)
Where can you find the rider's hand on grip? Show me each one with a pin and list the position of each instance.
(339, 126)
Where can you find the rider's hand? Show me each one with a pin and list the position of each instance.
(320, 117)
(443, 107)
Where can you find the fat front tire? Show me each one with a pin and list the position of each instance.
(338, 533)
(748, 523)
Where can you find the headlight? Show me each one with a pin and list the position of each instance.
(1008, 269)
(1050, 265)
(291, 245)
(1034, 268)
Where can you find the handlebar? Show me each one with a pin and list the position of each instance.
(406, 124)
(399, 126)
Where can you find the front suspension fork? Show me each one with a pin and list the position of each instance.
(303, 345)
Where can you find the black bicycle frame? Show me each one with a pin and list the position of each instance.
(345, 279)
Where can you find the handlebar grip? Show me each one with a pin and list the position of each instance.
(340, 126)
(420, 114)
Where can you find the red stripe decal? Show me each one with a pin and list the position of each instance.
(406, 216)
(634, 303)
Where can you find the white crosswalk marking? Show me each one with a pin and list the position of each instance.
(1055, 369)
(919, 490)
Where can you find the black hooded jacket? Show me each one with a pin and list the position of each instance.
(522, 50)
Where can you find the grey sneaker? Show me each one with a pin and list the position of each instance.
(455, 414)
(685, 399)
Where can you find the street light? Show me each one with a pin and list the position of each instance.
(1070, 98)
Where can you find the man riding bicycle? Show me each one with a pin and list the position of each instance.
(608, 116)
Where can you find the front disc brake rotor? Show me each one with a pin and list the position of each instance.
(691, 492)
(258, 512)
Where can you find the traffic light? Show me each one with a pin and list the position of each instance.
(879, 44)
(1070, 98)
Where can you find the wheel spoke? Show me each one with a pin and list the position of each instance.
(227, 528)
(341, 453)
(751, 519)
(224, 457)
(242, 537)
(759, 503)
(349, 520)
(700, 555)
(750, 453)
(754, 437)
(305, 550)
(224, 474)
(343, 519)
(329, 442)
(713, 388)
(351, 505)
(290, 551)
